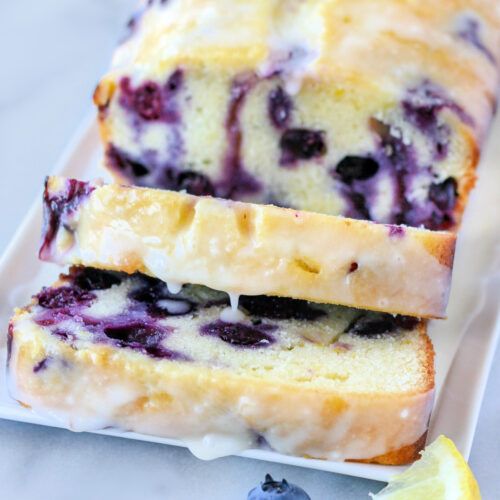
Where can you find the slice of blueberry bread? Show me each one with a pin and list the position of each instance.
(245, 248)
(104, 349)
(372, 110)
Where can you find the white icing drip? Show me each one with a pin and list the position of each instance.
(173, 286)
(294, 62)
(232, 314)
(174, 306)
(158, 265)
(211, 446)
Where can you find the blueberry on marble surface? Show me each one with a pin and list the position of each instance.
(277, 490)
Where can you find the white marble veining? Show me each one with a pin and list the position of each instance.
(53, 53)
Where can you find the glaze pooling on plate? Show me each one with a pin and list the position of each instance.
(102, 349)
(270, 110)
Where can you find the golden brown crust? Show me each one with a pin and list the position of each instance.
(405, 455)
(468, 180)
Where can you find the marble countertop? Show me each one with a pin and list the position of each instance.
(53, 53)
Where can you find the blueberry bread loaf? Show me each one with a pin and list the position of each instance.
(367, 109)
(105, 349)
(243, 248)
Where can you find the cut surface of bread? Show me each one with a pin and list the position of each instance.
(372, 110)
(101, 349)
(248, 249)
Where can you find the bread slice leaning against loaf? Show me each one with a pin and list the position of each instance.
(248, 249)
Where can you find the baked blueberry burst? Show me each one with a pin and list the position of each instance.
(100, 349)
(140, 313)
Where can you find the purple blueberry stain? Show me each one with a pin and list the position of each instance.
(444, 194)
(422, 106)
(88, 278)
(192, 182)
(279, 107)
(400, 160)
(406, 322)
(424, 101)
(358, 182)
(147, 172)
(356, 168)
(122, 163)
(369, 325)
(64, 335)
(145, 100)
(141, 336)
(396, 231)
(10, 341)
(57, 210)
(375, 324)
(280, 308)
(236, 182)
(239, 334)
(354, 175)
(301, 144)
(42, 365)
(468, 29)
(64, 297)
(148, 103)
(137, 328)
(152, 101)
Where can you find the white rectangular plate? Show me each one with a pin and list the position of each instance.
(464, 343)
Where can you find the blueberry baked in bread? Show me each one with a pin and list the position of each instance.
(248, 249)
(368, 109)
(104, 349)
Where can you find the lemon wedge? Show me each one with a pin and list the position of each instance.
(441, 474)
